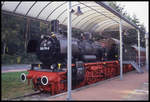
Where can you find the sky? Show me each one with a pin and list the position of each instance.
(140, 9)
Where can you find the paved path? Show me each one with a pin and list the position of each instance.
(141, 93)
(14, 68)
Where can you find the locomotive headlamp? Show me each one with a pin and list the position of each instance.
(44, 80)
(23, 77)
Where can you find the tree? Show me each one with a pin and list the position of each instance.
(12, 33)
(131, 37)
(117, 7)
(8, 33)
(135, 20)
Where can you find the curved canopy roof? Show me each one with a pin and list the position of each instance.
(96, 16)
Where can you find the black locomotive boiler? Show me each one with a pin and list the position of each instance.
(52, 49)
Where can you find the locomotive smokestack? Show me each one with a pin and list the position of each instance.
(55, 26)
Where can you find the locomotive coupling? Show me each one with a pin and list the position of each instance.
(23, 77)
(44, 80)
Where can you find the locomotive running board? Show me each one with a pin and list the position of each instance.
(135, 65)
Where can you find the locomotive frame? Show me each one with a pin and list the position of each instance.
(82, 74)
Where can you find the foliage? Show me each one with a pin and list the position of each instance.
(120, 9)
(117, 7)
(131, 37)
(11, 33)
(13, 39)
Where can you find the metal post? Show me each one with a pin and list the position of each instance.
(147, 53)
(139, 48)
(69, 50)
(121, 65)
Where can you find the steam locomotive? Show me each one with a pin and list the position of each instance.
(91, 62)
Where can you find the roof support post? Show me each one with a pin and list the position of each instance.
(147, 53)
(121, 65)
(139, 48)
(69, 52)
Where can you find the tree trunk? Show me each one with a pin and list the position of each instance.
(26, 34)
(4, 50)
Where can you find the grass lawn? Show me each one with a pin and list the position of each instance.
(11, 86)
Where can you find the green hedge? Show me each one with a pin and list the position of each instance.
(21, 59)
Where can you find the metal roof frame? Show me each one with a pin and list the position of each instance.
(78, 21)
(43, 9)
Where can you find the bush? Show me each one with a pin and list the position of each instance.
(19, 59)
(7, 59)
